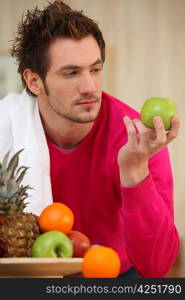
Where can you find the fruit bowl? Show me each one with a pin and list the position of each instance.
(39, 267)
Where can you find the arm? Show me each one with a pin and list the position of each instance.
(147, 191)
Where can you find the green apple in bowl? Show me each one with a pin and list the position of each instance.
(158, 106)
(52, 244)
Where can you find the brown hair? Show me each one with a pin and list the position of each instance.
(41, 27)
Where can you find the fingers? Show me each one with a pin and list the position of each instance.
(143, 132)
(156, 138)
(161, 137)
(131, 131)
(174, 129)
(164, 138)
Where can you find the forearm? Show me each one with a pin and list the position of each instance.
(151, 237)
(132, 176)
(147, 195)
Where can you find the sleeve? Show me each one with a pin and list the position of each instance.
(151, 238)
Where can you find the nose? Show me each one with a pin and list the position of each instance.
(87, 84)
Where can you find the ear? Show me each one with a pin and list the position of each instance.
(33, 81)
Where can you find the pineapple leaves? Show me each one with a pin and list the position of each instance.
(3, 166)
(14, 162)
(11, 177)
(21, 176)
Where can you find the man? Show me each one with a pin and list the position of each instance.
(86, 148)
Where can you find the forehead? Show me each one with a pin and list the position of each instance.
(70, 51)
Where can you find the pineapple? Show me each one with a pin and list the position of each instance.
(18, 229)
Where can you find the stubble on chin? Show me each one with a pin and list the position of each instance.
(87, 118)
(73, 116)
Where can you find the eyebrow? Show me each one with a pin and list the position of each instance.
(69, 67)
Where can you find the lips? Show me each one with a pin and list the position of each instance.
(87, 102)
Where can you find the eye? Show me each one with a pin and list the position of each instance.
(95, 70)
(72, 73)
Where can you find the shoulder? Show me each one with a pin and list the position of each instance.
(7, 106)
(5, 124)
(9, 102)
(118, 107)
(14, 103)
(13, 109)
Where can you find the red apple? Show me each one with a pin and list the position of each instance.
(80, 242)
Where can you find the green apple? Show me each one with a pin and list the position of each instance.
(157, 106)
(52, 244)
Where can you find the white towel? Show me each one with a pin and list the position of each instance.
(21, 128)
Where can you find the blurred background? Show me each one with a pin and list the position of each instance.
(145, 57)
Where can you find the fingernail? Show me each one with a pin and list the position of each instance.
(176, 118)
(157, 119)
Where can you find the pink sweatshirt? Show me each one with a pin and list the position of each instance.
(137, 222)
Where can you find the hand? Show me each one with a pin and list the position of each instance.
(143, 142)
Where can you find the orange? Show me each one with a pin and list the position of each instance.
(56, 216)
(101, 262)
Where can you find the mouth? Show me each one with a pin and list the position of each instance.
(87, 103)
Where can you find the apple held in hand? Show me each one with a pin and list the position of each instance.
(80, 242)
(52, 244)
(157, 106)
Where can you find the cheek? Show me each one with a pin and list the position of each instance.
(64, 93)
(61, 90)
(100, 83)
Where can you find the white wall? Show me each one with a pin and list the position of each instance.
(145, 57)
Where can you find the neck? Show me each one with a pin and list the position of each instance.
(68, 134)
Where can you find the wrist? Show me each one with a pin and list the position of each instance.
(133, 176)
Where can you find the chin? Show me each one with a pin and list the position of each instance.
(88, 119)
(85, 120)
(85, 116)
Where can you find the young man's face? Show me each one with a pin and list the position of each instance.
(74, 81)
